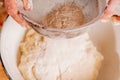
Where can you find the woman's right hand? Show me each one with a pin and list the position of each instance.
(109, 12)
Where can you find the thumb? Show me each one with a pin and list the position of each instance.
(112, 5)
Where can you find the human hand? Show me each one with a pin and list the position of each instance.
(12, 9)
(3, 13)
(109, 12)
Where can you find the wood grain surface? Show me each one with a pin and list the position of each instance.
(3, 75)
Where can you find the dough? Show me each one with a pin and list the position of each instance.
(43, 58)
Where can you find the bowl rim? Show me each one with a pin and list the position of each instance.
(1, 60)
(51, 29)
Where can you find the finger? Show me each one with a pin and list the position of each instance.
(27, 4)
(20, 20)
(116, 17)
(12, 9)
(112, 5)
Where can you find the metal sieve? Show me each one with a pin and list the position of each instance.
(92, 10)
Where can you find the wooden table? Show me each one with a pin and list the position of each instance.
(3, 76)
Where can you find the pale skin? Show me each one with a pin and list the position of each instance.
(112, 5)
(12, 9)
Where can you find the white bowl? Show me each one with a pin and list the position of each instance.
(105, 36)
